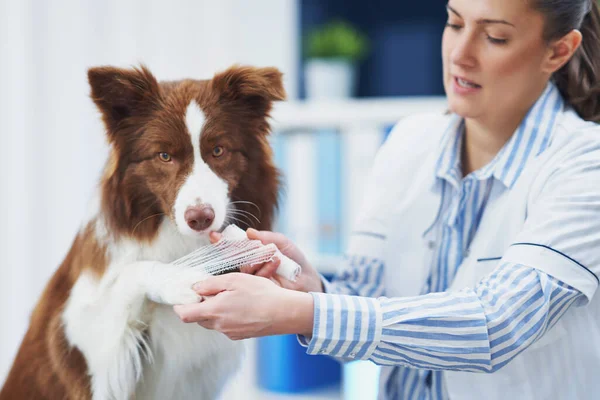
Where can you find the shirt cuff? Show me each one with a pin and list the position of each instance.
(327, 288)
(555, 264)
(346, 327)
(303, 340)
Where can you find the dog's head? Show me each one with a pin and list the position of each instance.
(194, 151)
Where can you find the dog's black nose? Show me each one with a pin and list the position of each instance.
(199, 217)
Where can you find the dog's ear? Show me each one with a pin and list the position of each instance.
(254, 87)
(122, 93)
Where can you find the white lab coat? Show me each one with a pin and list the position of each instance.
(565, 362)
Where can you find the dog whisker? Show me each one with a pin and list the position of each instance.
(145, 219)
(247, 202)
(245, 214)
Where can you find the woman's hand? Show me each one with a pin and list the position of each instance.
(309, 279)
(242, 306)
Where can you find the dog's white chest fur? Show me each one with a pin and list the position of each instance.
(189, 362)
(133, 346)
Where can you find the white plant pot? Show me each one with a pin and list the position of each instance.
(328, 79)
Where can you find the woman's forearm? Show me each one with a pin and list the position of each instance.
(295, 314)
(471, 330)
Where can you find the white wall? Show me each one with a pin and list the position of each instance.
(52, 142)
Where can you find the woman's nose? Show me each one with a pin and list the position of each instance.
(464, 52)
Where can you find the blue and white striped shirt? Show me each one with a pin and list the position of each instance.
(477, 329)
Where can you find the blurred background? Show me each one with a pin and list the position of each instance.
(352, 69)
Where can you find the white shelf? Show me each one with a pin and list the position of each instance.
(299, 115)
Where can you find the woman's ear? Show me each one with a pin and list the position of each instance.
(561, 51)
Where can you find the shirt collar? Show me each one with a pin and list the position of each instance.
(530, 139)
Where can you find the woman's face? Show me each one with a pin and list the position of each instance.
(493, 52)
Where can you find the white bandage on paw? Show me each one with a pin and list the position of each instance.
(235, 250)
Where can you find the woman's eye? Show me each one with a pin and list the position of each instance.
(218, 151)
(166, 157)
(453, 26)
(496, 40)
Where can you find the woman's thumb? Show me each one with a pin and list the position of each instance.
(213, 285)
(214, 237)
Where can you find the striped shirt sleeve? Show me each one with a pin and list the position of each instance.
(477, 330)
(362, 276)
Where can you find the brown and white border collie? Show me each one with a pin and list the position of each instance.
(186, 158)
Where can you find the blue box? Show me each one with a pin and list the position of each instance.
(284, 367)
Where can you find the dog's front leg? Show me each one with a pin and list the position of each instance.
(106, 319)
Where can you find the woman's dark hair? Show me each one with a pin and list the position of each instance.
(579, 79)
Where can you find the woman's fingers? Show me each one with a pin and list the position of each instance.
(250, 269)
(253, 234)
(214, 237)
(214, 285)
(267, 237)
(265, 269)
(268, 269)
(193, 313)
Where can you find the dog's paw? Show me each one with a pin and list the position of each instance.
(174, 286)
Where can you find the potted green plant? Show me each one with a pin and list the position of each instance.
(332, 53)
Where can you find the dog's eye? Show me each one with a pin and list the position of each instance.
(166, 157)
(218, 151)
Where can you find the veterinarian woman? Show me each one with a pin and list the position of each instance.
(473, 270)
